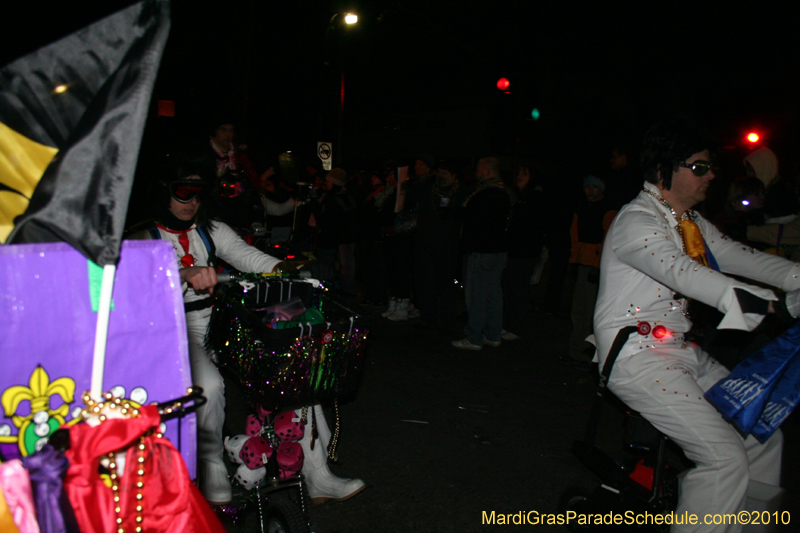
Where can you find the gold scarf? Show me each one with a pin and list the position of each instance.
(693, 241)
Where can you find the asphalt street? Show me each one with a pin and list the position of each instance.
(442, 435)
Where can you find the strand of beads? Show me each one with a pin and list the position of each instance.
(335, 438)
(112, 466)
(101, 411)
(688, 214)
(94, 408)
(140, 484)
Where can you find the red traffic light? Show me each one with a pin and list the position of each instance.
(753, 137)
(503, 84)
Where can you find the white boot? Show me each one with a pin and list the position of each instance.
(391, 308)
(211, 470)
(322, 484)
(400, 312)
(214, 483)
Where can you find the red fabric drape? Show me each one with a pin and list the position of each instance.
(171, 501)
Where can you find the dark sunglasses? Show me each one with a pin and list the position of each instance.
(699, 168)
(185, 192)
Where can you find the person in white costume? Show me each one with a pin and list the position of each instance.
(654, 258)
(184, 223)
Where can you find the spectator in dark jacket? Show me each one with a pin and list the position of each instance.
(525, 243)
(484, 243)
(592, 219)
(335, 219)
(439, 204)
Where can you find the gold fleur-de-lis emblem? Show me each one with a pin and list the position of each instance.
(42, 420)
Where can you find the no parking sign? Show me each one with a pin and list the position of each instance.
(325, 153)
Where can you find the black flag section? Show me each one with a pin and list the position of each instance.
(71, 120)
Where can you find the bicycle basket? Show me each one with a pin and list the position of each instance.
(293, 366)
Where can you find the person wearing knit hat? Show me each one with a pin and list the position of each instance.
(590, 222)
(594, 180)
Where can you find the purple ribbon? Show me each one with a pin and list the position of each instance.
(53, 510)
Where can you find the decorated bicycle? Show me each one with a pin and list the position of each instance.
(291, 344)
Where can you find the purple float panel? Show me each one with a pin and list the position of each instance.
(48, 315)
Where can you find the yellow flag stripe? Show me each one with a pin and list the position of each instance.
(11, 205)
(22, 163)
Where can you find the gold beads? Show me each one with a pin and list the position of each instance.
(112, 466)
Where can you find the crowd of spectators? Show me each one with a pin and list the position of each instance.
(398, 235)
(393, 237)
(388, 235)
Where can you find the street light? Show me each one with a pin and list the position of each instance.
(349, 19)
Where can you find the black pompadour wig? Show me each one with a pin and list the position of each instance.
(667, 144)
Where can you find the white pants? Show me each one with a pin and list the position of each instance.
(666, 386)
(211, 416)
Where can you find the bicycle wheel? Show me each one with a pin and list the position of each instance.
(574, 499)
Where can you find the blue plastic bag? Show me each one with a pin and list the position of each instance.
(762, 390)
(781, 402)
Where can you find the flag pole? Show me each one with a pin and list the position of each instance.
(101, 332)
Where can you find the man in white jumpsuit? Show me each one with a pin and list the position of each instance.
(178, 224)
(646, 276)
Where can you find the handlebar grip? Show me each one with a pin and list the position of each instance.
(225, 277)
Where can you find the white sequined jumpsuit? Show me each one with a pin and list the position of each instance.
(645, 277)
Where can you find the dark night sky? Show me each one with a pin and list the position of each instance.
(420, 75)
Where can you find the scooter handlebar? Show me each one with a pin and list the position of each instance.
(227, 277)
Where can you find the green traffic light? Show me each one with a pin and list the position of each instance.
(535, 113)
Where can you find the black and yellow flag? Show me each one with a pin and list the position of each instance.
(71, 120)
